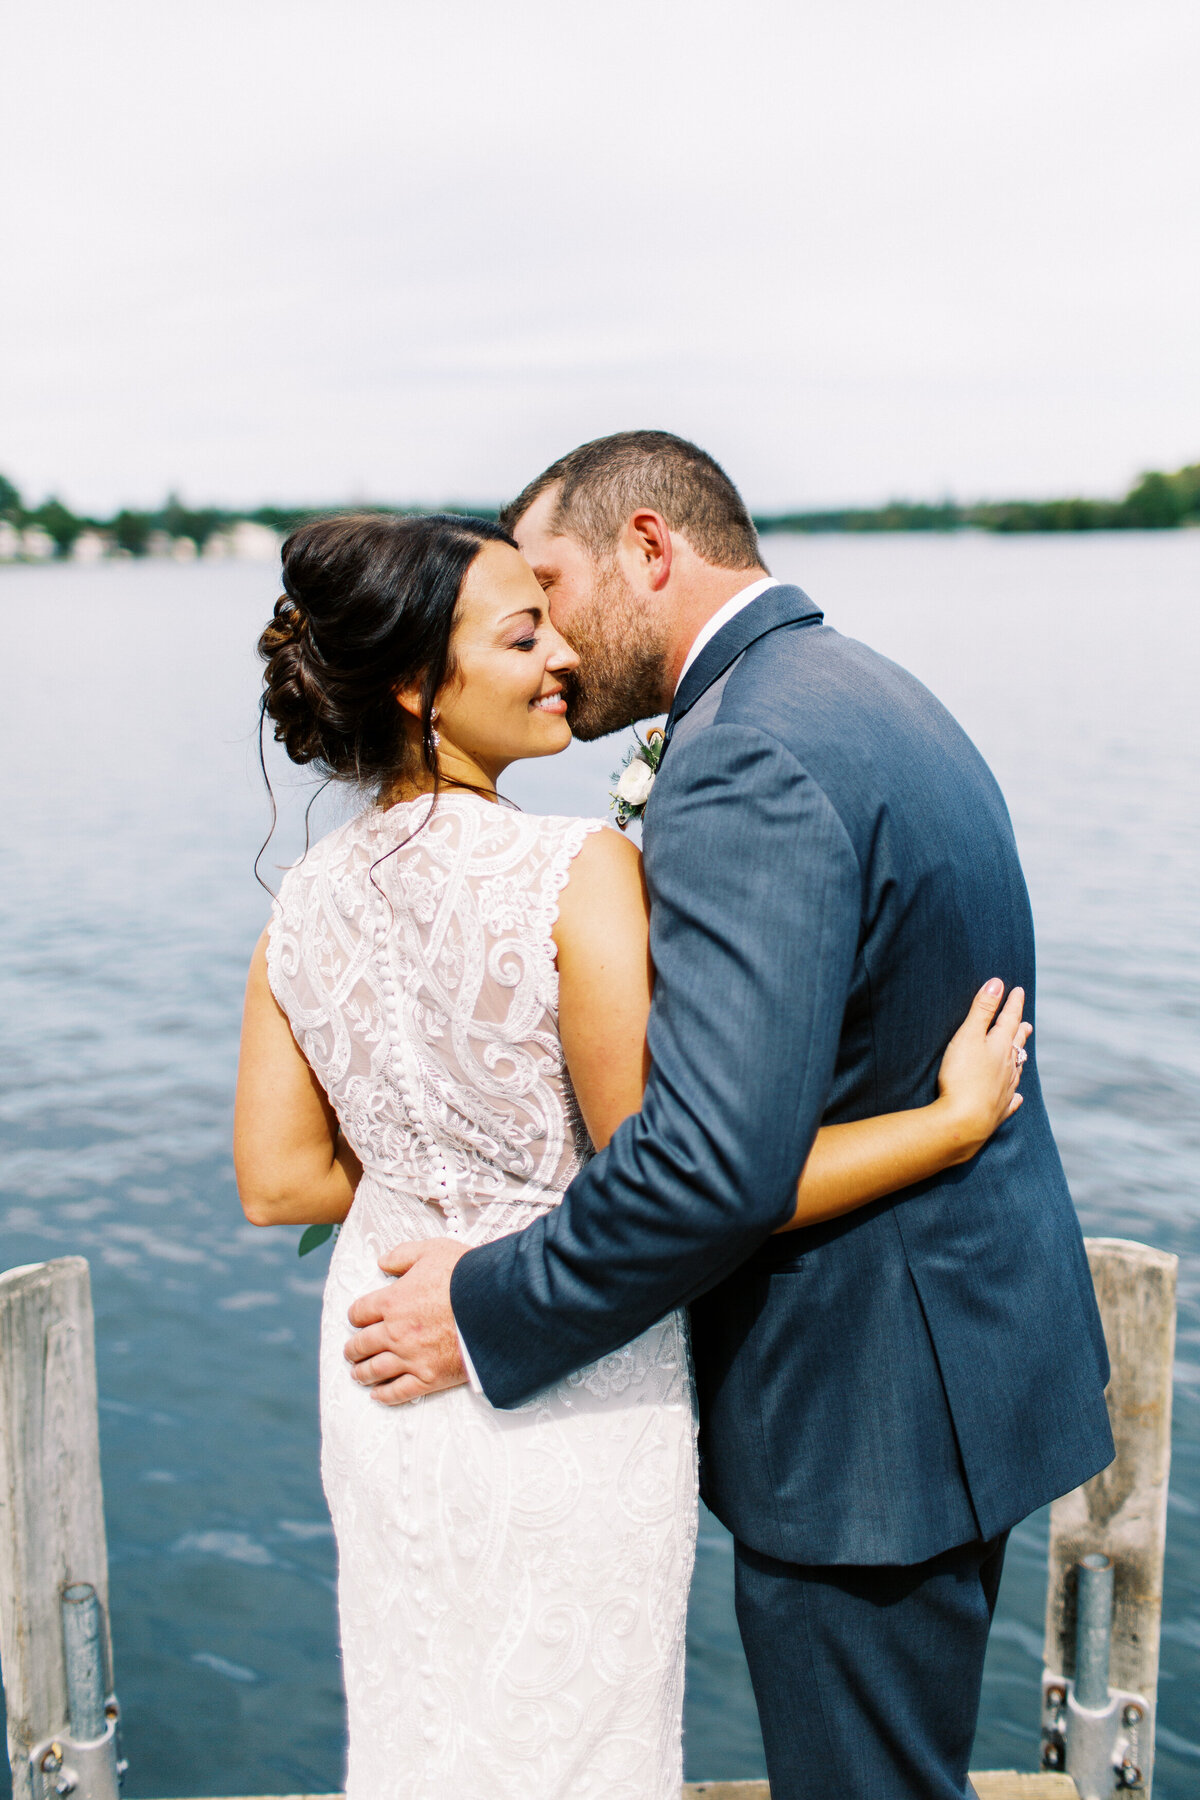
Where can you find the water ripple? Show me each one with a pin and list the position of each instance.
(127, 923)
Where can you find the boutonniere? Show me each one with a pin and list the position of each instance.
(635, 777)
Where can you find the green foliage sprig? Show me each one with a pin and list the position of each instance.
(313, 1236)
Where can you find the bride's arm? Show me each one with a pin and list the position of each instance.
(605, 981)
(850, 1165)
(293, 1166)
(605, 984)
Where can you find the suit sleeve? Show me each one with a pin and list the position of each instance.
(755, 905)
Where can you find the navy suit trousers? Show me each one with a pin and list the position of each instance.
(868, 1679)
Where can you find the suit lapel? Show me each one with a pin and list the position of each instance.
(777, 607)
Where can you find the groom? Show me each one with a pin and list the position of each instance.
(832, 875)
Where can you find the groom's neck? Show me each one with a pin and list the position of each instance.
(702, 591)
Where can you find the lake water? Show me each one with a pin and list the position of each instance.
(132, 814)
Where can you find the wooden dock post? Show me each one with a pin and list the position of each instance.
(51, 1506)
(1122, 1512)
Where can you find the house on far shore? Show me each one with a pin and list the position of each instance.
(90, 547)
(245, 542)
(176, 549)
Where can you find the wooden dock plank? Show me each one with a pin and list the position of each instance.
(1006, 1784)
(998, 1785)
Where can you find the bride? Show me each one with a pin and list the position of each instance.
(445, 1015)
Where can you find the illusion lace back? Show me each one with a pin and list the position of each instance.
(512, 1585)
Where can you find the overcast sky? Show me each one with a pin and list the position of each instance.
(299, 250)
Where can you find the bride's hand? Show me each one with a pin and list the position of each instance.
(981, 1070)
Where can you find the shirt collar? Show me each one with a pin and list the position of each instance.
(721, 618)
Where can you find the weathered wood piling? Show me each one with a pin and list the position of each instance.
(1121, 1516)
(51, 1502)
(54, 1637)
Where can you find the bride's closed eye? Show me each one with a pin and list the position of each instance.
(525, 628)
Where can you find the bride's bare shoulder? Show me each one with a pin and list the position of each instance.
(606, 856)
(605, 891)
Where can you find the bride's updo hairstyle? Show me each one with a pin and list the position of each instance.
(368, 607)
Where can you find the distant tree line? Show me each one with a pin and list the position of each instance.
(1156, 502)
(135, 533)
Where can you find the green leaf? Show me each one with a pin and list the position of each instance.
(314, 1235)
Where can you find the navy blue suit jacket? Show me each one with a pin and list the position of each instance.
(832, 875)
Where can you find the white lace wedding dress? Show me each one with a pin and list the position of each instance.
(512, 1585)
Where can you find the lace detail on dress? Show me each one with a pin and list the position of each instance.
(420, 980)
(512, 1586)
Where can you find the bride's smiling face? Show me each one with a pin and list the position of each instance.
(507, 698)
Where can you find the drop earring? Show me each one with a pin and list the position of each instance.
(435, 736)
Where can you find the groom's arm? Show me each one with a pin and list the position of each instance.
(756, 899)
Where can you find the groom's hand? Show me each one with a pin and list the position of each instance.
(406, 1344)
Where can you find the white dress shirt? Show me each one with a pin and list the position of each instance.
(704, 636)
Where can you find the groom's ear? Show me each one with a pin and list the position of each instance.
(645, 549)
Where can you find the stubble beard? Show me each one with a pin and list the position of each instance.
(621, 676)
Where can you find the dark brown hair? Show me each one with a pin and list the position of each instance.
(368, 606)
(602, 483)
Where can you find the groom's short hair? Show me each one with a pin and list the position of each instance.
(602, 483)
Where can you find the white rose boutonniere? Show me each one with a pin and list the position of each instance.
(636, 781)
(635, 778)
